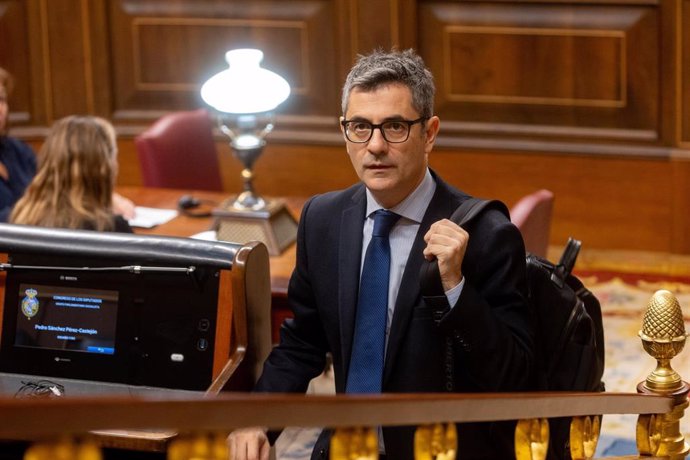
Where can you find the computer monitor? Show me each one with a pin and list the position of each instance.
(128, 309)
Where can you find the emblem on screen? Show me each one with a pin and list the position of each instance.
(30, 303)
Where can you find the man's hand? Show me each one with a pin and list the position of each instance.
(249, 444)
(446, 241)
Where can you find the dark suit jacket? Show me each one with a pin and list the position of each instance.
(490, 322)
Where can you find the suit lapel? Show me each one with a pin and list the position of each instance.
(441, 206)
(349, 261)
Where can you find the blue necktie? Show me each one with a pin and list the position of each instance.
(366, 363)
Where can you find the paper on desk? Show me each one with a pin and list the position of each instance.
(150, 217)
(208, 235)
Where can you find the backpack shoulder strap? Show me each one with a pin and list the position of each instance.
(472, 207)
(429, 274)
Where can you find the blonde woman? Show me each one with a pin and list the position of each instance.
(73, 187)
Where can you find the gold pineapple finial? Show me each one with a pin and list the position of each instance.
(663, 337)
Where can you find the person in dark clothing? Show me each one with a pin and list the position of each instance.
(382, 334)
(73, 187)
(17, 160)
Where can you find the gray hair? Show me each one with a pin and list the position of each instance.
(381, 68)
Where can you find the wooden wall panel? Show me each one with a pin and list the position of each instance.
(556, 57)
(14, 55)
(590, 99)
(69, 67)
(679, 223)
(684, 43)
(384, 34)
(57, 54)
(545, 70)
(607, 202)
(164, 54)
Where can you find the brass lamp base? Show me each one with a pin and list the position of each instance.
(273, 225)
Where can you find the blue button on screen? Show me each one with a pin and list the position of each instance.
(102, 350)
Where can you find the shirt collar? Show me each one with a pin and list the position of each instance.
(414, 206)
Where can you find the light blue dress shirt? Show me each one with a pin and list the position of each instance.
(411, 210)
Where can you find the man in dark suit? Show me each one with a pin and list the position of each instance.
(389, 130)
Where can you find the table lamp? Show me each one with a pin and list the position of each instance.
(245, 95)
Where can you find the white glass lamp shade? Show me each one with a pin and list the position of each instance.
(245, 87)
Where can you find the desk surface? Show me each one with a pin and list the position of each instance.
(281, 266)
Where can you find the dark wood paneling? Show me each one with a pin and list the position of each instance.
(669, 71)
(679, 221)
(487, 57)
(297, 170)
(100, 67)
(407, 24)
(607, 202)
(684, 40)
(589, 99)
(15, 58)
(366, 38)
(530, 66)
(58, 58)
(165, 53)
(69, 66)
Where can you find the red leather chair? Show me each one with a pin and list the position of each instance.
(178, 151)
(532, 215)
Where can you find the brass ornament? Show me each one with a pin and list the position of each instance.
(648, 433)
(422, 443)
(89, 451)
(179, 449)
(663, 337)
(354, 444)
(532, 439)
(659, 434)
(584, 436)
(436, 442)
(64, 449)
(201, 446)
(38, 452)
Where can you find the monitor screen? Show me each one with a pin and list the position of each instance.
(100, 320)
(66, 318)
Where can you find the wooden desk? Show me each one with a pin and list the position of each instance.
(183, 225)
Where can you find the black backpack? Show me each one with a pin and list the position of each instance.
(568, 325)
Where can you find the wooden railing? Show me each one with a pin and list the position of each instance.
(58, 418)
(203, 423)
(38, 417)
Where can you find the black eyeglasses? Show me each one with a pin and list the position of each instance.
(393, 131)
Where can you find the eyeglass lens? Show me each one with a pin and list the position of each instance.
(393, 131)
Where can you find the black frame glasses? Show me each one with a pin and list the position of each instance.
(390, 126)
